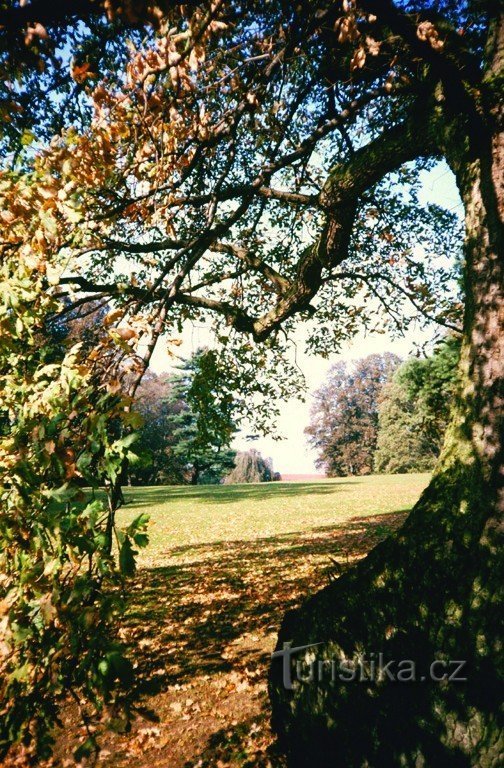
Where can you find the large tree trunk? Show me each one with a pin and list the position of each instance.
(431, 591)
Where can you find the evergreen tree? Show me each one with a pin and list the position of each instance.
(200, 421)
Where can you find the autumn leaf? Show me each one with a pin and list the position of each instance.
(82, 72)
(126, 333)
(358, 59)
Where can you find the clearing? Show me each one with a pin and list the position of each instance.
(223, 565)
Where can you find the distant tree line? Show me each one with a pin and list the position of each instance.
(383, 415)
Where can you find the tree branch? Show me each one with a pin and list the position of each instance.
(280, 282)
(339, 197)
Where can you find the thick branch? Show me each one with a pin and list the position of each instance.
(345, 184)
(411, 139)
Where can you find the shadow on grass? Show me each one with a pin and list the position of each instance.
(205, 494)
(194, 618)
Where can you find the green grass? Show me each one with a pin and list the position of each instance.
(183, 517)
(224, 565)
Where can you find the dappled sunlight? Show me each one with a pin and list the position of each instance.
(203, 617)
(193, 517)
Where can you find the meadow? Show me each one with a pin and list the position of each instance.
(185, 517)
(223, 565)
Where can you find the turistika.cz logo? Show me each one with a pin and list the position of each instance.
(362, 668)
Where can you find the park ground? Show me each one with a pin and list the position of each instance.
(223, 565)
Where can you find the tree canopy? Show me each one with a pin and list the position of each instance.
(201, 420)
(202, 165)
(344, 416)
(414, 410)
(250, 467)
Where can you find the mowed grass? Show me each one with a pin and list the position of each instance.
(183, 517)
(223, 565)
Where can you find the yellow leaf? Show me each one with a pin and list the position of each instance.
(112, 316)
(358, 59)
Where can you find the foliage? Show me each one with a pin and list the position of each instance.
(188, 423)
(207, 425)
(154, 434)
(414, 410)
(59, 576)
(250, 467)
(181, 212)
(344, 417)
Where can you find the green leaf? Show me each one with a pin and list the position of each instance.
(126, 441)
(21, 673)
(139, 522)
(63, 493)
(115, 666)
(85, 749)
(121, 667)
(103, 667)
(27, 137)
(141, 539)
(127, 558)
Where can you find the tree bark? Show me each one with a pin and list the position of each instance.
(433, 590)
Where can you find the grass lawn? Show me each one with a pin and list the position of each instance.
(184, 518)
(223, 565)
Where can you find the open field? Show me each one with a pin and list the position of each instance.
(223, 565)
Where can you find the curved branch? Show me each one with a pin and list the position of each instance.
(340, 196)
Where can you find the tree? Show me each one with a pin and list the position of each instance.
(344, 418)
(402, 445)
(250, 467)
(188, 424)
(60, 580)
(260, 161)
(414, 411)
(201, 420)
(152, 402)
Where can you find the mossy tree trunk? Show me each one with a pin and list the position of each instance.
(432, 591)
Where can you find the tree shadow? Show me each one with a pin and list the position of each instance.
(225, 494)
(228, 744)
(186, 619)
(201, 630)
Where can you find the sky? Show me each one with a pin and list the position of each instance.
(292, 455)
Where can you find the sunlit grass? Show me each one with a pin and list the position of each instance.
(223, 566)
(187, 516)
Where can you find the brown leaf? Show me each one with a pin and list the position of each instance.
(358, 59)
(81, 72)
(126, 333)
